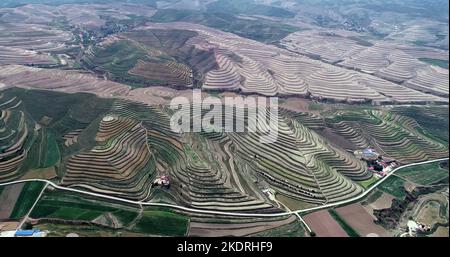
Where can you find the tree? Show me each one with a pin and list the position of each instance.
(312, 234)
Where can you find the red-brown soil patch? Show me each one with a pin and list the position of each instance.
(217, 230)
(324, 225)
(360, 220)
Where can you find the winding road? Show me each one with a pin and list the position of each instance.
(194, 210)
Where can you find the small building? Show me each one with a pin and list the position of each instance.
(417, 227)
(30, 233)
(25, 233)
(270, 193)
(163, 180)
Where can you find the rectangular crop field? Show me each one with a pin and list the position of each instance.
(394, 186)
(359, 220)
(424, 174)
(162, 223)
(323, 224)
(8, 198)
(54, 204)
(27, 197)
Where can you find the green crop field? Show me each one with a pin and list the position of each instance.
(55, 204)
(394, 186)
(117, 60)
(248, 8)
(27, 197)
(348, 229)
(424, 174)
(162, 223)
(67, 206)
(436, 62)
(261, 30)
(434, 121)
(367, 183)
(52, 155)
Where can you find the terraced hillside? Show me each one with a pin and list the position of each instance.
(434, 119)
(253, 67)
(33, 124)
(17, 135)
(400, 64)
(395, 136)
(33, 45)
(118, 164)
(151, 57)
(10, 55)
(80, 13)
(299, 165)
(195, 181)
(41, 38)
(58, 80)
(118, 147)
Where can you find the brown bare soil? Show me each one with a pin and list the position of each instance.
(385, 201)
(217, 230)
(46, 173)
(170, 73)
(441, 232)
(324, 225)
(8, 199)
(360, 220)
(8, 226)
(336, 139)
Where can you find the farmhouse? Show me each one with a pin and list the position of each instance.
(376, 163)
(416, 227)
(162, 181)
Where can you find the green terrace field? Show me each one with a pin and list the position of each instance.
(36, 122)
(51, 153)
(436, 62)
(117, 59)
(395, 133)
(151, 57)
(425, 174)
(261, 30)
(247, 8)
(433, 121)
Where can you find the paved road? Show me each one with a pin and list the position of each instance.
(194, 210)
